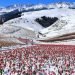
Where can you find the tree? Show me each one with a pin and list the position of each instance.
(46, 21)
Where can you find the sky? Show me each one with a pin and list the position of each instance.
(11, 2)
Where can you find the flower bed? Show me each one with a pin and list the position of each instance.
(39, 59)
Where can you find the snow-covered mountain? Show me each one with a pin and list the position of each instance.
(33, 7)
(26, 26)
(40, 6)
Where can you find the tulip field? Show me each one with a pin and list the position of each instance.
(39, 59)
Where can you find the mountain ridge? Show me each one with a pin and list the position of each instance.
(57, 4)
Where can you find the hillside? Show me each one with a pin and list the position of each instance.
(27, 25)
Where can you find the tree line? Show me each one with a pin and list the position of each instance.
(46, 21)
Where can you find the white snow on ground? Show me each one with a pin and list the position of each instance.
(27, 19)
(65, 24)
(26, 22)
(9, 29)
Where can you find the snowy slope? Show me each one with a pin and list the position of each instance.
(22, 26)
(27, 20)
(66, 24)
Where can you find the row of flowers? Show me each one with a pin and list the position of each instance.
(39, 59)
